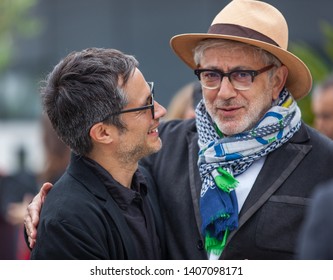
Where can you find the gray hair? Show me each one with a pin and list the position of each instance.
(260, 54)
(82, 90)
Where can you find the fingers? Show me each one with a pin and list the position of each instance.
(32, 242)
(44, 190)
(35, 206)
(31, 217)
(30, 229)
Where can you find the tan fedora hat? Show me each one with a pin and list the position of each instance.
(255, 23)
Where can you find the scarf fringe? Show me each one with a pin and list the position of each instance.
(224, 180)
(215, 246)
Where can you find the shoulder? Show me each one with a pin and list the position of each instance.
(316, 232)
(177, 129)
(177, 125)
(320, 143)
(176, 136)
(317, 137)
(324, 193)
(322, 202)
(68, 199)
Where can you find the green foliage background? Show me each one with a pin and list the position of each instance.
(15, 21)
(320, 63)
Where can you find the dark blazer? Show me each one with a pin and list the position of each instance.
(316, 238)
(80, 220)
(273, 212)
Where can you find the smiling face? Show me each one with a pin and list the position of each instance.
(235, 111)
(140, 138)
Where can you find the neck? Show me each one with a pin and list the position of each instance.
(121, 172)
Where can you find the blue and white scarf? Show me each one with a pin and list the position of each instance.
(222, 158)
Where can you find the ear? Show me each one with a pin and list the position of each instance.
(102, 133)
(279, 80)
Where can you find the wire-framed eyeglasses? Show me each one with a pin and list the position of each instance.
(240, 79)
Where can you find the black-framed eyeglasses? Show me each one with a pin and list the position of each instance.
(240, 79)
(150, 104)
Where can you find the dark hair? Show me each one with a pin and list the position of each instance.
(82, 90)
(326, 84)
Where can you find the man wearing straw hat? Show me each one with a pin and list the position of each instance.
(234, 183)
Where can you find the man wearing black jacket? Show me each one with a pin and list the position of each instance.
(101, 208)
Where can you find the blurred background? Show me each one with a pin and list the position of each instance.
(36, 34)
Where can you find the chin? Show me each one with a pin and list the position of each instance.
(156, 149)
(232, 128)
(153, 149)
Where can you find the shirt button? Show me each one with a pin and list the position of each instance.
(200, 245)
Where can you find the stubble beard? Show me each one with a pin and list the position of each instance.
(134, 153)
(232, 126)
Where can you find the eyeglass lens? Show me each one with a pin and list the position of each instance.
(240, 79)
(151, 100)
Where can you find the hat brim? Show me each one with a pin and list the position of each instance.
(299, 81)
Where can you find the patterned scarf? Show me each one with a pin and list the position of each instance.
(221, 158)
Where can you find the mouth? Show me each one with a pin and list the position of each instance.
(228, 111)
(155, 130)
(232, 108)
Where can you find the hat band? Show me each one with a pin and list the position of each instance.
(240, 31)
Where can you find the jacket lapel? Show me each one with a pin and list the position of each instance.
(277, 168)
(195, 180)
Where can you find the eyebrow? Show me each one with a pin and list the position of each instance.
(237, 68)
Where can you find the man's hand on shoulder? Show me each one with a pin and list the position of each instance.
(31, 217)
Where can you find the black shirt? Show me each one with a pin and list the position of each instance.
(136, 209)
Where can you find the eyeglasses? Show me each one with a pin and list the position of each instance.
(240, 79)
(149, 106)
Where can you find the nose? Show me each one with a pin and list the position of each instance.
(160, 111)
(226, 90)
